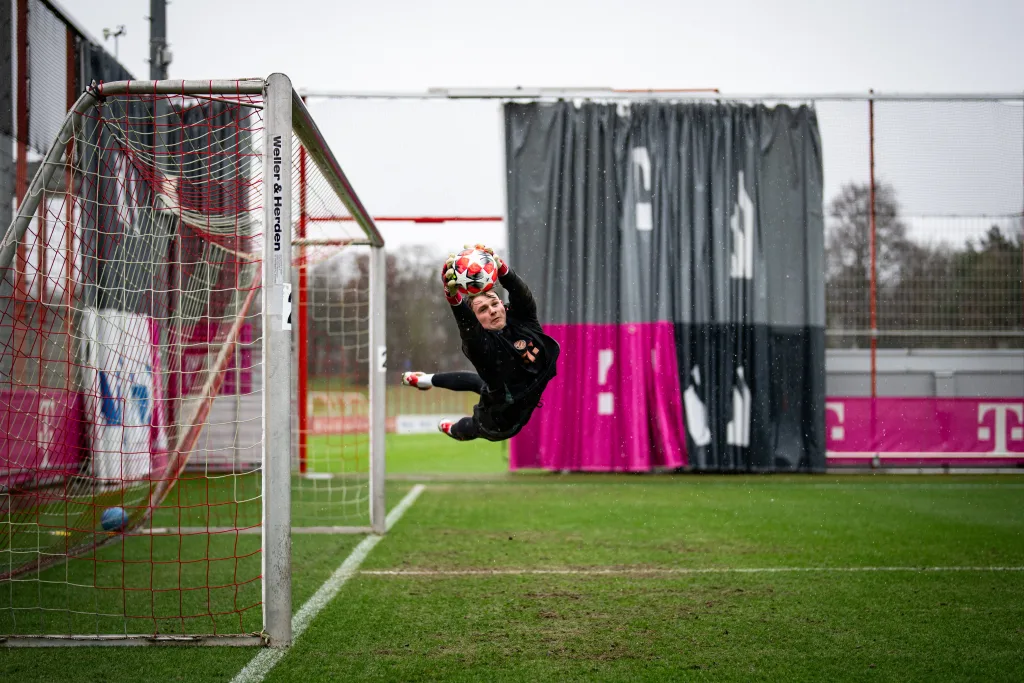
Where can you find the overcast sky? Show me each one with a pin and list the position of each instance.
(444, 158)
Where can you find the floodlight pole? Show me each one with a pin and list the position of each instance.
(157, 40)
(107, 34)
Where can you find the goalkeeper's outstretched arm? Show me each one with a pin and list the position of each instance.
(469, 327)
(520, 298)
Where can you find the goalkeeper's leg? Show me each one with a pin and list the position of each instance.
(496, 423)
(453, 381)
(465, 429)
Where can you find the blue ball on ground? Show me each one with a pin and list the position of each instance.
(114, 519)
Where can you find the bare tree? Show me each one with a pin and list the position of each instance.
(848, 252)
(421, 331)
(920, 287)
(986, 282)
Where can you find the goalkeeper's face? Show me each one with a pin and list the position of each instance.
(490, 311)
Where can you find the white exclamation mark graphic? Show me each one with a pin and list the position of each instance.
(605, 399)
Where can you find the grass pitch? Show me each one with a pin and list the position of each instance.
(592, 577)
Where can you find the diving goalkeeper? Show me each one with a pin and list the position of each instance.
(514, 359)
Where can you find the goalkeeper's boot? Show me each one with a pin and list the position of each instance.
(445, 427)
(420, 380)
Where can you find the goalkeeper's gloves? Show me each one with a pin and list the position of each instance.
(502, 266)
(451, 291)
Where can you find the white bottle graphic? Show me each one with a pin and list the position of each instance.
(741, 225)
(644, 209)
(737, 433)
(696, 412)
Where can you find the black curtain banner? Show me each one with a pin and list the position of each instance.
(698, 226)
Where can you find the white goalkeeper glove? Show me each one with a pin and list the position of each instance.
(451, 291)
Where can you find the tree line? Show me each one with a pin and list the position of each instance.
(421, 331)
(970, 291)
(967, 291)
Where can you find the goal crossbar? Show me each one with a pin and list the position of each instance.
(304, 127)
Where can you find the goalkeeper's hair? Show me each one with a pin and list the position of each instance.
(483, 295)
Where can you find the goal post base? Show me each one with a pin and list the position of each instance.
(189, 531)
(253, 640)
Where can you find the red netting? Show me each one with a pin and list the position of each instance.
(119, 315)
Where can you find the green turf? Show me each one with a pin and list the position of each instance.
(432, 453)
(776, 626)
(437, 454)
(637, 623)
(169, 582)
(314, 559)
(740, 628)
(193, 582)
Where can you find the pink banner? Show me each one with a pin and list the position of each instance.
(40, 436)
(618, 385)
(925, 431)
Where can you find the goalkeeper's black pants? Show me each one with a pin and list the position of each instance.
(458, 381)
(467, 428)
(513, 418)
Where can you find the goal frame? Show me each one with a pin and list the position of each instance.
(285, 114)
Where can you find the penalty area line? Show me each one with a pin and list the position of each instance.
(265, 660)
(646, 571)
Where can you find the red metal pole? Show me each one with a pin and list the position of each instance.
(303, 322)
(872, 247)
(411, 219)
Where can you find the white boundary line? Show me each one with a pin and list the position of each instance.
(260, 665)
(625, 571)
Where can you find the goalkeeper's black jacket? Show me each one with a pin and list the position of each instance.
(516, 363)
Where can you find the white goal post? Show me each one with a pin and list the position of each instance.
(152, 251)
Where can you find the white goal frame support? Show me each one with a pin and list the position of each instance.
(378, 408)
(285, 114)
(277, 363)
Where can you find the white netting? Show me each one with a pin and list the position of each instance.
(330, 298)
(332, 426)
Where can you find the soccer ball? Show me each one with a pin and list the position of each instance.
(475, 271)
(114, 519)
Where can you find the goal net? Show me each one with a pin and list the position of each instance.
(332, 373)
(149, 464)
(332, 448)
